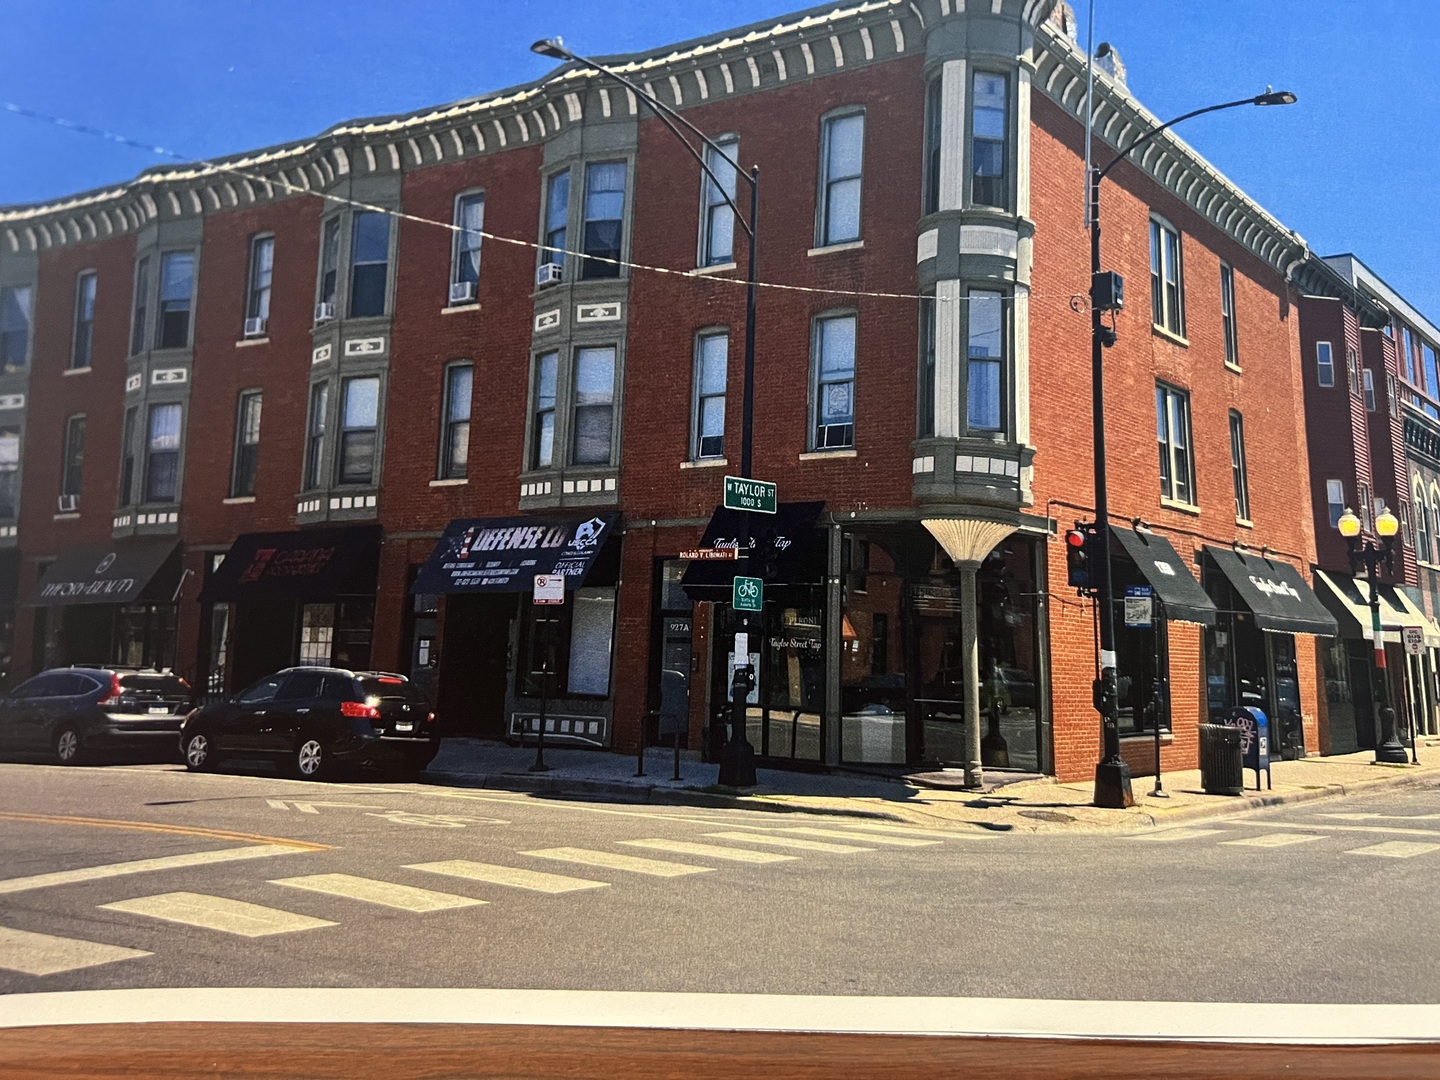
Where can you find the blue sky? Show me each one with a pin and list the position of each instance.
(1355, 166)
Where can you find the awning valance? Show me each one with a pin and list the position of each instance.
(1275, 592)
(503, 555)
(1348, 598)
(306, 564)
(1164, 571)
(119, 573)
(800, 558)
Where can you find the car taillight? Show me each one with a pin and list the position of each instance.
(115, 691)
(391, 680)
(359, 710)
(430, 718)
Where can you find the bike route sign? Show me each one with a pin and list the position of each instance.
(748, 594)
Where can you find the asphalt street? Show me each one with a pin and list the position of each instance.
(148, 876)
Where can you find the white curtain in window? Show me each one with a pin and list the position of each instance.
(591, 634)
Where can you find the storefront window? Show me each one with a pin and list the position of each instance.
(317, 634)
(576, 639)
(145, 635)
(591, 631)
(219, 649)
(872, 666)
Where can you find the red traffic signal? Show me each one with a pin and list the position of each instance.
(1079, 549)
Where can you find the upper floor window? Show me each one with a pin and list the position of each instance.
(1392, 395)
(1237, 467)
(833, 383)
(988, 123)
(1324, 363)
(162, 454)
(72, 462)
(1364, 496)
(177, 285)
(930, 195)
(1177, 456)
(557, 217)
(1432, 375)
(1407, 358)
(1422, 523)
(842, 141)
(717, 225)
(127, 456)
(9, 472)
(1335, 500)
(1227, 315)
(329, 269)
(547, 371)
(369, 263)
(594, 417)
(83, 339)
(604, 219)
(14, 327)
(1352, 372)
(247, 445)
(926, 410)
(262, 274)
(455, 438)
(359, 421)
(1369, 379)
(985, 370)
(140, 312)
(1167, 282)
(708, 418)
(465, 254)
(315, 436)
(1435, 523)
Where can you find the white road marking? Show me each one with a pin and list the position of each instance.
(389, 894)
(712, 851)
(307, 807)
(1279, 839)
(787, 841)
(510, 876)
(934, 834)
(1388, 817)
(217, 913)
(1390, 829)
(434, 821)
(1395, 849)
(144, 866)
(631, 863)
(1175, 834)
(42, 954)
(869, 838)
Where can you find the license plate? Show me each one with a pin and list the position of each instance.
(405, 725)
(158, 710)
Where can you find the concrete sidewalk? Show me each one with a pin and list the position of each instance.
(1009, 801)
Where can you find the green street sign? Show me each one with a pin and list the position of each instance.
(748, 594)
(754, 495)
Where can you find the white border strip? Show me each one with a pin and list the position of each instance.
(1224, 1022)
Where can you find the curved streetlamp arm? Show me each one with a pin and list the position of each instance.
(1259, 100)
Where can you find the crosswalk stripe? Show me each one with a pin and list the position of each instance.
(1175, 834)
(510, 876)
(712, 851)
(934, 834)
(787, 841)
(1395, 849)
(43, 954)
(386, 893)
(869, 838)
(1278, 839)
(632, 863)
(144, 866)
(217, 913)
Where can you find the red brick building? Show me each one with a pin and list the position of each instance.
(344, 397)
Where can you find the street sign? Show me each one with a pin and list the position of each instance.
(756, 495)
(1414, 637)
(748, 594)
(549, 588)
(708, 553)
(1139, 607)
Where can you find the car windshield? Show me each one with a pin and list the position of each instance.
(389, 688)
(158, 683)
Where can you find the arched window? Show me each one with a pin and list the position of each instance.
(1430, 552)
(1422, 519)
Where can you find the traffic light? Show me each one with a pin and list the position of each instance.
(766, 554)
(1079, 557)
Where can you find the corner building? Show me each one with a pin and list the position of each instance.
(349, 395)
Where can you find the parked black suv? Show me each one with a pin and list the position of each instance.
(75, 713)
(315, 718)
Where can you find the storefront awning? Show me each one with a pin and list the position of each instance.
(503, 555)
(797, 559)
(1165, 572)
(1274, 592)
(1348, 598)
(118, 573)
(306, 564)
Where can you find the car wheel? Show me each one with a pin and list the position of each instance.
(200, 755)
(311, 760)
(68, 747)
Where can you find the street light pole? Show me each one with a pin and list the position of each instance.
(1112, 775)
(737, 763)
(1362, 552)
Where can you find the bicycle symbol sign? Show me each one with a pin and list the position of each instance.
(747, 594)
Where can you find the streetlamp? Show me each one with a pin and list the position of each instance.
(737, 762)
(1112, 775)
(1363, 552)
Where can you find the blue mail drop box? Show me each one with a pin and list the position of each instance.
(1254, 728)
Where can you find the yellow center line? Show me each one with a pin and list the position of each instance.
(155, 826)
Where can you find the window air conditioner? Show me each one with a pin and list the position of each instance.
(324, 312)
(254, 327)
(549, 274)
(68, 503)
(462, 292)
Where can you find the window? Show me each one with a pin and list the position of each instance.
(1352, 372)
(834, 382)
(841, 146)
(14, 327)
(369, 263)
(317, 634)
(987, 145)
(1422, 524)
(465, 256)
(1177, 458)
(575, 640)
(1335, 499)
(315, 441)
(1237, 466)
(547, 369)
(927, 367)
(1434, 554)
(934, 105)
(708, 421)
(604, 217)
(594, 405)
(1407, 354)
(557, 216)
(247, 445)
(717, 225)
(127, 456)
(329, 265)
(9, 472)
(1393, 397)
(455, 439)
(262, 272)
(138, 315)
(73, 461)
(1167, 283)
(1324, 363)
(986, 357)
(359, 420)
(1227, 315)
(1405, 524)
(83, 339)
(177, 281)
(1432, 375)
(1364, 495)
(162, 459)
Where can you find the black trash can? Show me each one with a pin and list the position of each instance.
(1221, 761)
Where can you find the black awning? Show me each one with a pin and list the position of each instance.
(117, 573)
(801, 554)
(1161, 567)
(307, 564)
(503, 555)
(1274, 592)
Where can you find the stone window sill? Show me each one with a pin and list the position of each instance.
(849, 245)
(1236, 368)
(75, 516)
(718, 268)
(706, 463)
(825, 455)
(1244, 523)
(1183, 507)
(455, 309)
(77, 370)
(245, 343)
(238, 500)
(454, 481)
(1161, 331)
